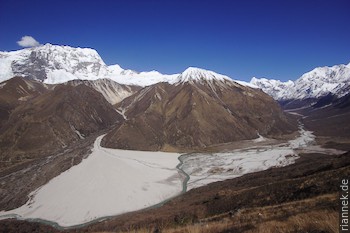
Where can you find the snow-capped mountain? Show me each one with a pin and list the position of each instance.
(311, 85)
(130, 77)
(54, 64)
(322, 81)
(275, 88)
(193, 74)
(197, 109)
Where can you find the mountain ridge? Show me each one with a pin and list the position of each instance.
(55, 64)
(194, 114)
(314, 84)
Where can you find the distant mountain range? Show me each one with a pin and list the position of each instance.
(311, 86)
(229, 102)
(54, 64)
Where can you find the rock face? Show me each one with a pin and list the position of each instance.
(112, 91)
(201, 108)
(53, 64)
(43, 121)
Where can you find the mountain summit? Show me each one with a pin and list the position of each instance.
(200, 109)
(193, 74)
(53, 64)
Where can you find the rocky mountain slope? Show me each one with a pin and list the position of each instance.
(309, 87)
(43, 121)
(321, 96)
(16, 91)
(329, 117)
(171, 98)
(112, 91)
(201, 108)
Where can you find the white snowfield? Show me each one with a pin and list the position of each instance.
(108, 182)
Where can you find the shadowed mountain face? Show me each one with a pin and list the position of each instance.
(51, 119)
(329, 116)
(193, 114)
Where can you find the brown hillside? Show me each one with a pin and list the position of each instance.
(193, 115)
(16, 91)
(51, 121)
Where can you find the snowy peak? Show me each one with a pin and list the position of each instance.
(53, 64)
(334, 74)
(193, 74)
(270, 82)
(323, 80)
(115, 69)
(274, 88)
(83, 54)
(314, 84)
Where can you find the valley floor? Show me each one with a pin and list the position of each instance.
(206, 168)
(108, 182)
(111, 182)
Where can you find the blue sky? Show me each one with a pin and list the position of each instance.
(242, 39)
